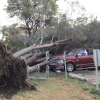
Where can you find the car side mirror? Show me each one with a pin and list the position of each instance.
(76, 56)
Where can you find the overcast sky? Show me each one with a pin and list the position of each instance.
(92, 6)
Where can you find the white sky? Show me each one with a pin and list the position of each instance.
(92, 6)
(4, 19)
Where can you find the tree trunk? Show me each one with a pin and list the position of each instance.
(33, 58)
(25, 57)
(40, 60)
(41, 30)
(33, 68)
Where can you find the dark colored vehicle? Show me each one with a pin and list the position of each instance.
(78, 58)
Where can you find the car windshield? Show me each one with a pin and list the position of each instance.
(72, 53)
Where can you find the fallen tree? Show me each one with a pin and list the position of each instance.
(38, 59)
(15, 65)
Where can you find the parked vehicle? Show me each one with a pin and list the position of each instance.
(78, 58)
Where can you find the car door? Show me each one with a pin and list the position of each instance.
(90, 61)
(81, 59)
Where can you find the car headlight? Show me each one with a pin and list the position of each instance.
(59, 61)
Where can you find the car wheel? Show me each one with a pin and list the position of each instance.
(70, 67)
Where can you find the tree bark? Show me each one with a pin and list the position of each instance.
(40, 60)
(25, 57)
(33, 68)
(33, 58)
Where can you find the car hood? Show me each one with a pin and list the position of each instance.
(62, 57)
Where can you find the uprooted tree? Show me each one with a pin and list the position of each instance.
(13, 69)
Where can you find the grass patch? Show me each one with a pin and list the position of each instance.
(85, 89)
(58, 88)
(94, 91)
(85, 86)
(78, 97)
(20, 92)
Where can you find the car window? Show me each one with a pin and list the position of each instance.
(72, 53)
(82, 52)
(90, 52)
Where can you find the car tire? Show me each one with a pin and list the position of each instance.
(70, 67)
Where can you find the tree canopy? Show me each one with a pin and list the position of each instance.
(30, 11)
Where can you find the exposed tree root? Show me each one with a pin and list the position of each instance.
(15, 71)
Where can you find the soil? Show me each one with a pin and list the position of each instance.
(7, 92)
